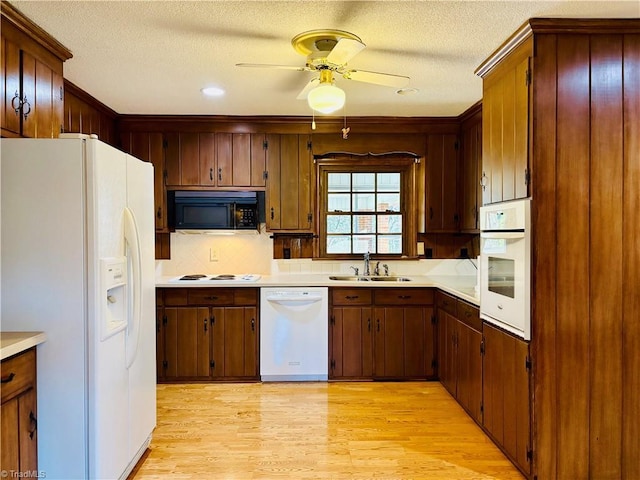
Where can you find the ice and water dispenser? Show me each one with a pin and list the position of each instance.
(113, 296)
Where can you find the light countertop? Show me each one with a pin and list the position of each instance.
(12, 343)
(461, 286)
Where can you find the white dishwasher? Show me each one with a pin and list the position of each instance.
(294, 334)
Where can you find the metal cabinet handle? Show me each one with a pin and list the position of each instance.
(378, 322)
(253, 324)
(8, 378)
(211, 297)
(26, 113)
(34, 424)
(211, 174)
(220, 174)
(272, 213)
(13, 103)
(206, 322)
(159, 213)
(483, 181)
(404, 297)
(368, 324)
(351, 297)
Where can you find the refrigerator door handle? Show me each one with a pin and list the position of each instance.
(132, 244)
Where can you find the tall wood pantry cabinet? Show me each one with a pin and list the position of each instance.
(31, 78)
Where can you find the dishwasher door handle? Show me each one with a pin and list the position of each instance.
(294, 299)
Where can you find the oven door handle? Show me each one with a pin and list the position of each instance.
(505, 235)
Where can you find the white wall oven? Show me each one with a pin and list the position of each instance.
(505, 266)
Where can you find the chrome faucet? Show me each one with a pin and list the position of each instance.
(366, 264)
(355, 269)
(386, 269)
(376, 270)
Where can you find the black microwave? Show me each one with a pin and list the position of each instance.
(206, 210)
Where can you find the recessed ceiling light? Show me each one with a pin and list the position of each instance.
(212, 91)
(407, 91)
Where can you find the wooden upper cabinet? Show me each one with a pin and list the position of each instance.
(219, 160)
(290, 184)
(31, 82)
(505, 127)
(470, 195)
(441, 170)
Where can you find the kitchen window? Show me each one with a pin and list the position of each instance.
(366, 206)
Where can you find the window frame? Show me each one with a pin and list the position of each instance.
(392, 163)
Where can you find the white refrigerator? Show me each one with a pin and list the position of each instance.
(77, 246)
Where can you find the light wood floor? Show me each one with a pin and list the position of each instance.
(405, 430)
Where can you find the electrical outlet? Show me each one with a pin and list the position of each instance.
(213, 255)
(420, 248)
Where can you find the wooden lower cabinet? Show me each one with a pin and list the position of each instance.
(207, 334)
(505, 390)
(18, 412)
(459, 352)
(372, 337)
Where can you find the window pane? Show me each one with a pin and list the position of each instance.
(338, 202)
(389, 244)
(364, 202)
(364, 243)
(389, 224)
(338, 223)
(364, 182)
(388, 182)
(364, 224)
(338, 244)
(339, 182)
(388, 202)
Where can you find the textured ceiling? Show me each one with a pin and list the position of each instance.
(153, 57)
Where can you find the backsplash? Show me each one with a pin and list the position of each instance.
(253, 253)
(235, 253)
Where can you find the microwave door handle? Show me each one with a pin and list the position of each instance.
(504, 235)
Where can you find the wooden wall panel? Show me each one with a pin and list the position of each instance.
(631, 267)
(605, 426)
(544, 257)
(572, 201)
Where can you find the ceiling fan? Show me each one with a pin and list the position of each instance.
(328, 52)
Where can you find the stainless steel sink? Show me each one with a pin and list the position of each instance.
(390, 279)
(354, 278)
(349, 278)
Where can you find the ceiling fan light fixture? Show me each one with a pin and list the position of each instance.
(326, 98)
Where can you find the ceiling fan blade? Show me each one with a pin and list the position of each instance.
(345, 50)
(387, 79)
(267, 65)
(307, 88)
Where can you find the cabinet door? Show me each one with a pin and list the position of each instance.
(235, 342)
(388, 342)
(207, 147)
(469, 371)
(224, 159)
(418, 342)
(441, 170)
(28, 427)
(28, 83)
(290, 186)
(149, 147)
(259, 149)
(11, 81)
(351, 353)
(187, 343)
(241, 160)
(447, 352)
(58, 109)
(9, 433)
(189, 159)
(470, 177)
(273, 186)
(160, 345)
(505, 391)
(505, 143)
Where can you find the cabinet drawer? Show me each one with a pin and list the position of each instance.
(175, 296)
(469, 315)
(404, 296)
(246, 296)
(210, 296)
(351, 296)
(447, 303)
(18, 374)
